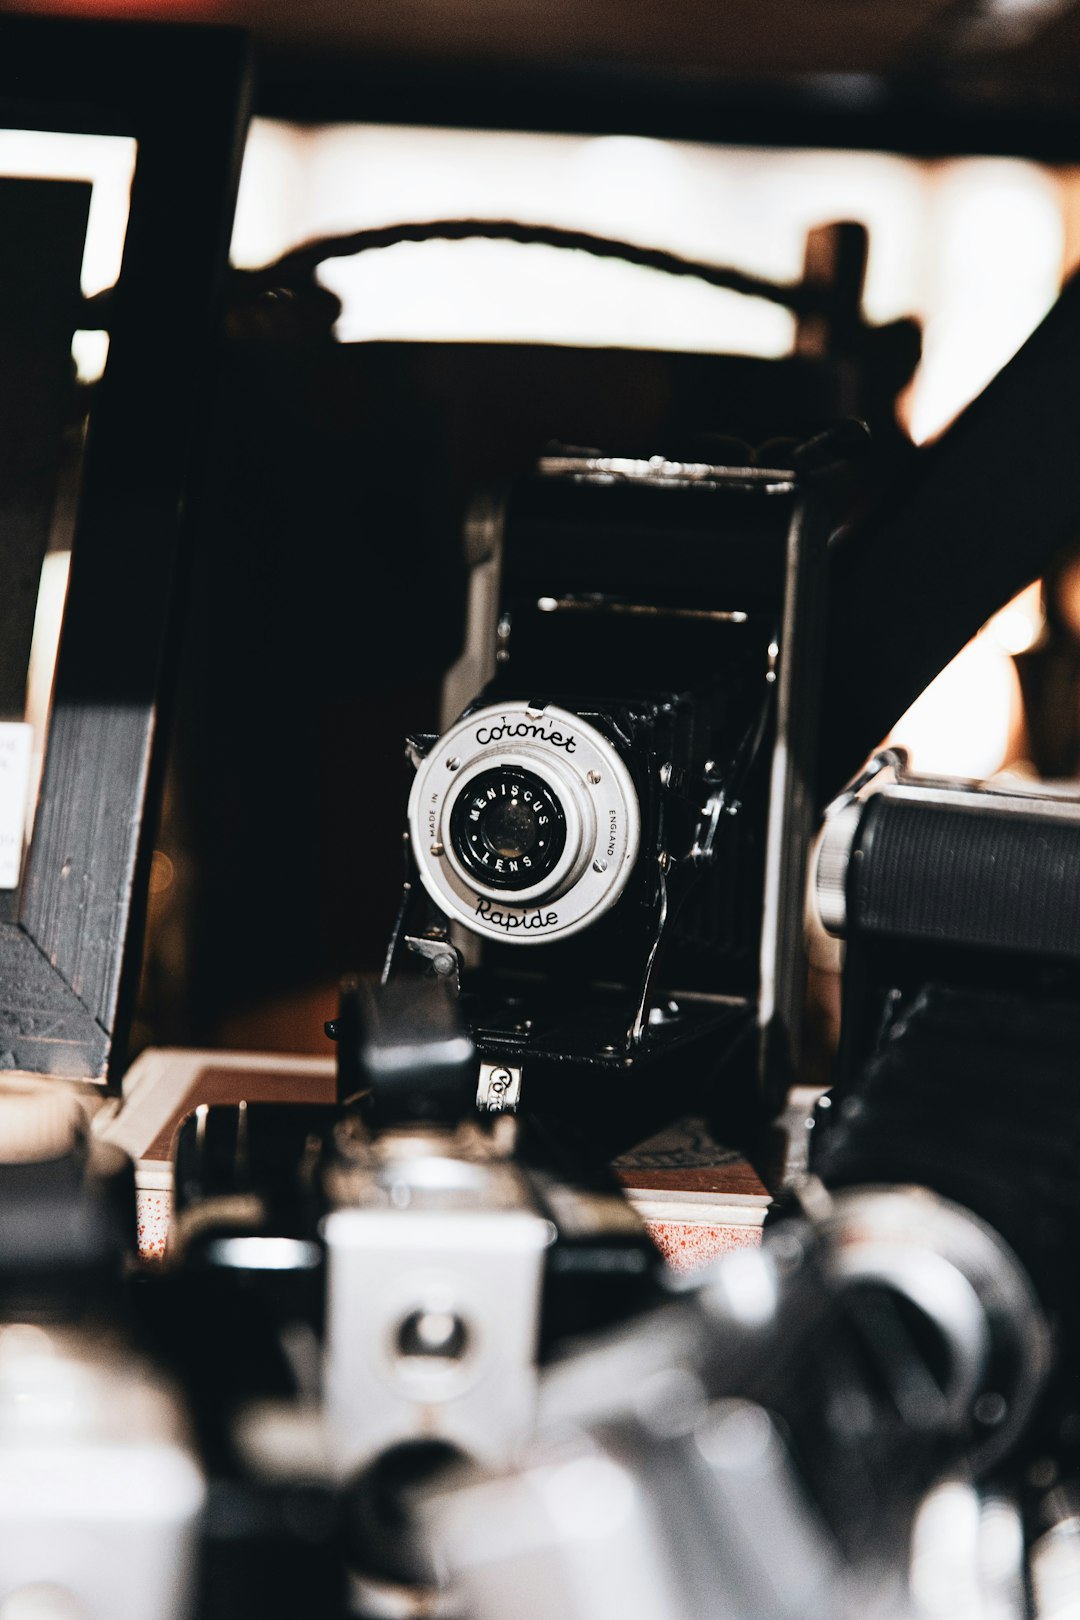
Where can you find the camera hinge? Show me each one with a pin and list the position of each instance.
(442, 960)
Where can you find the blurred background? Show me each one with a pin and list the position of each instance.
(347, 435)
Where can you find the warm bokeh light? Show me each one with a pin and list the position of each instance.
(995, 271)
(972, 246)
(108, 162)
(966, 721)
(1019, 624)
(52, 592)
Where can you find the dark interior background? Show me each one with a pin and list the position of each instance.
(328, 601)
(326, 594)
(920, 75)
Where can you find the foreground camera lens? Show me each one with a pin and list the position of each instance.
(508, 829)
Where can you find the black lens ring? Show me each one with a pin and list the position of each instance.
(508, 828)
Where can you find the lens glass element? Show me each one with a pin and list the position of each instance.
(508, 828)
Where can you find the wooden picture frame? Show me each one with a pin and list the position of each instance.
(69, 958)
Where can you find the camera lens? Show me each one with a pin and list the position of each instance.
(508, 828)
(524, 822)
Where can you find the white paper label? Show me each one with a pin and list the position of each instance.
(15, 744)
(499, 1090)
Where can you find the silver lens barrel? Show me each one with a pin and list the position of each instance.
(963, 1279)
(525, 824)
(831, 866)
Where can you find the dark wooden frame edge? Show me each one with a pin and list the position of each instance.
(69, 965)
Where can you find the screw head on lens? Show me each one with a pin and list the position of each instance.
(508, 828)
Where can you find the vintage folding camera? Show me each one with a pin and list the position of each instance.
(607, 841)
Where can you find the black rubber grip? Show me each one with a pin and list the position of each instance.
(988, 878)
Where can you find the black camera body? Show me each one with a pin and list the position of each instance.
(958, 903)
(607, 841)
